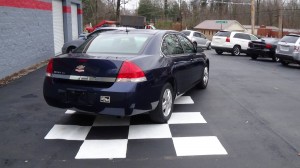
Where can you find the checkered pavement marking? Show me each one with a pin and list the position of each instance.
(111, 137)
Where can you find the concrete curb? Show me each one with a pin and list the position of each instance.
(21, 73)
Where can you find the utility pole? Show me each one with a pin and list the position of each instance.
(280, 15)
(252, 16)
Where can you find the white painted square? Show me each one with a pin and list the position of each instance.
(102, 149)
(187, 118)
(191, 146)
(184, 100)
(70, 112)
(111, 121)
(149, 131)
(68, 132)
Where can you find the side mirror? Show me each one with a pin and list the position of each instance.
(200, 50)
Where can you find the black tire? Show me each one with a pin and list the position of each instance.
(195, 44)
(204, 78)
(284, 63)
(161, 115)
(254, 57)
(236, 51)
(209, 47)
(219, 52)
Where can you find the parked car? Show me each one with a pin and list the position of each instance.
(71, 45)
(232, 42)
(125, 73)
(264, 47)
(288, 49)
(197, 38)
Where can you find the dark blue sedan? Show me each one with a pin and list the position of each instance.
(125, 73)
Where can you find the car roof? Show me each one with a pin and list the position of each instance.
(141, 31)
(114, 28)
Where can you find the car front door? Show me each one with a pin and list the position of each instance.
(180, 62)
(196, 62)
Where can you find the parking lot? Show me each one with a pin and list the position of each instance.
(247, 117)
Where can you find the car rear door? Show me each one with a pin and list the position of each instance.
(180, 62)
(200, 39)
(242, 40)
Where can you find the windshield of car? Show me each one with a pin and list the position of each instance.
(289, 39)
(187, 33)
(223, 34)
(115, 44)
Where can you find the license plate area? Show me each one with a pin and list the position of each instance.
(80, 97)
(284, 48)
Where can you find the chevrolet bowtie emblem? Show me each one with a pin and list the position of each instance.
(80, 68)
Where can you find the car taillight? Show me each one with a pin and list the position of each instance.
(227, 39)
(268, 46)
(49, 70)
(130, 72)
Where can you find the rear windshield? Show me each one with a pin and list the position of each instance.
(223, 34)
(270, 40)
(115, 44)
(289, 39)
(187, 33)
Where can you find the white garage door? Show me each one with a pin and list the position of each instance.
(74, 21)
(58, 25)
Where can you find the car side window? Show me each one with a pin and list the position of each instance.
(238, 35)
(246, 37)
(186, 44)
(171, 45)
(202, 36)
(196, 34)
(253, 37)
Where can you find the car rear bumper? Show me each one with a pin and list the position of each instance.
(224, 49)
(288, 58)
(119, 99)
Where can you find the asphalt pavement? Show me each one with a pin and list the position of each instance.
(248, 116)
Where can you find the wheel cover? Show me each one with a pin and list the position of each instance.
(236, 51)
(205, 76)
(167, 102)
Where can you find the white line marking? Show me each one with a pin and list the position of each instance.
(149, 131)
(206, 145)
(184, 100)
(186, 118)
(102, 149)
(68, 132)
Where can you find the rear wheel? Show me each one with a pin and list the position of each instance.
(164, 109)
(284, 63)
(204, 78)
(236, 50)
(254, 57)
(219, 52)
(208, 47)
(195, 44)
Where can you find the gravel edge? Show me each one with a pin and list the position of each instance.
(21, 73)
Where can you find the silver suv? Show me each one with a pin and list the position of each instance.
(197, 38)
(288, 49)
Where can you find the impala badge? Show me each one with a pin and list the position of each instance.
(105, 99)
(80, 68)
